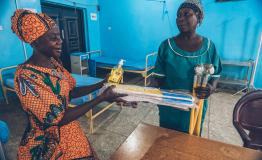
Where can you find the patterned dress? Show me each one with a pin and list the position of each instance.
(44, 95)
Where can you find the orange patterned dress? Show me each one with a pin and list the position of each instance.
(44, 95)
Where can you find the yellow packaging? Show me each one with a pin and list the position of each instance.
(116, 74)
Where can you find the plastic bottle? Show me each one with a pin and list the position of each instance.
(116, 74)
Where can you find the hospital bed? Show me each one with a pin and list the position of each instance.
(143, 67)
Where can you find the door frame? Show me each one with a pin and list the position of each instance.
(82, 26)
(83, 17)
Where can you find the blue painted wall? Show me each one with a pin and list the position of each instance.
(235, 28)
(132, 28)
(11, 48)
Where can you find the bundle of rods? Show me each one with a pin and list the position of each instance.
(202, 74)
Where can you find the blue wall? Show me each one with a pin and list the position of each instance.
(132, 28)
(235, 28)
(10, 45)
(11, 48)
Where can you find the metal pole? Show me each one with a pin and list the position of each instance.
(256, 63)
(2, 153)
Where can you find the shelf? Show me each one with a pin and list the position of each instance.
(79, 62)
(84, 57)
(83, 68)
(233, 82)
(235, 63)
(243, 82)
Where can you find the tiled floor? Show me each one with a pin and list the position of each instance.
(116, 124)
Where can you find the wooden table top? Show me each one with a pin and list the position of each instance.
(149, 142)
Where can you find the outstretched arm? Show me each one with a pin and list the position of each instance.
(85, 90)
(72, 114)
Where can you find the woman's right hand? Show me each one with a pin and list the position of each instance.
(110, 95)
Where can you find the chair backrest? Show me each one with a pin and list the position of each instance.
(7, 72)
(4, 132)
(4, 136)
(247, 119)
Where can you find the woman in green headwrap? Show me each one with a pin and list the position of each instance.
(177, 57)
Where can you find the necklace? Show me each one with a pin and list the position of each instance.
(208, 46)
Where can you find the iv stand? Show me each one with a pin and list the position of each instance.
(253, 75)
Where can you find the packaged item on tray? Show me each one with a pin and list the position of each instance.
(177, 99)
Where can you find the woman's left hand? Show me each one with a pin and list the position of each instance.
(204, 92)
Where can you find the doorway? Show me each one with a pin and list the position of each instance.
(70, 22)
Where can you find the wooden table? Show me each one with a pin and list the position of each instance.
(149, 142)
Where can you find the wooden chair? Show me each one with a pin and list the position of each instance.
(7, 80)
(247, 119)
(4, 136)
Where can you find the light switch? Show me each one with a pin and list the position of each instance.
(93, 16)
(1, 28)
